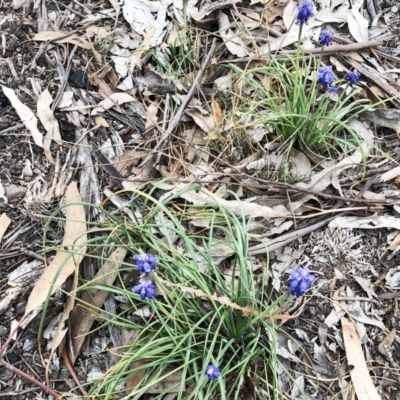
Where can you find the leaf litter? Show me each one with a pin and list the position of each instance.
(89, 138)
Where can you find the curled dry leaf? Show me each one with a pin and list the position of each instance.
(236, 207)
(62, 267)
(27, 116)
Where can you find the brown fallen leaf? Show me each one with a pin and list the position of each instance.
(360, 377)
(4, 224)
(217, 111)
(64, 263)
(83, 315)
(60, 37)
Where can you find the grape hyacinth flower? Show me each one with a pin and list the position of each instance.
(325, 75)
(145, 262)
(300, 281)
(353, 77)
(332, 89)
(325, 37)
(145, 289)
(305, 10)
(212, 372)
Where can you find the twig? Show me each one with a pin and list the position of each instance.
(345, 47)
(325, 50)
(12, 129)
(68, 363)
(30, 379)
(31, 253)
(175, 121)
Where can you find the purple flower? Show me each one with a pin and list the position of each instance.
(145, 289)
(332, 89)
(325, 37)
(325, 75)
(212, 372)
(300, 281)
(353, 77)
(145, 262)
(305, 10)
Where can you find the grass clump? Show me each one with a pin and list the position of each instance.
(196, 317)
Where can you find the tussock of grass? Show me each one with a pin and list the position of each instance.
(184, 333)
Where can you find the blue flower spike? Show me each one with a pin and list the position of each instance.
(145, 262)
(353, 77)
(325, 75)
(332, 89)
(325, 37)
(300, 281)
(212, 372)
(145, 289)
(305, 10)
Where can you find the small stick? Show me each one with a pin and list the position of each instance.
(12, 129)
(30, 379)
(325, 50)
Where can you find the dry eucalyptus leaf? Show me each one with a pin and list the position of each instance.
(329, 175)
(113, 100)
(82, 316)
(362, 382)
(27, 116)
(358, 26)
(60, 37)
(61, 329)
(391, 174)
(138, 15)
(4, 224)
(232, 42)
(49, 121)
(387, 341)
(374, 222)
(387, 117)
(204, 121)
(238, 208)
(60, 268)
